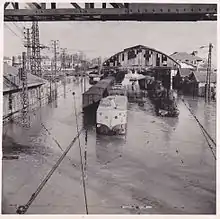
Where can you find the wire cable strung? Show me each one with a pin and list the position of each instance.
(209, 144)
(14, 32)
(58, 144)
(204, 132)
(81, 159)
(200, 124)
(19, 28)
(23, 208)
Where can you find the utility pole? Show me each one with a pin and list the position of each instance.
(37, 52)
(50, 97)
(208, 78)
(36, 47)
(55, 48)
(24, 93)
(63, 67)
(27, 44)
(33, 46)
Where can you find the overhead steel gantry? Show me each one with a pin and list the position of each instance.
(111, 12)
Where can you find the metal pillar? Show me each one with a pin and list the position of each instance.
(55, 47)
(35, 59)
(63, 66)
(24, 93)
(33, 46)
(38, 57)
(10, 106)
(208, 75)
(28, 46)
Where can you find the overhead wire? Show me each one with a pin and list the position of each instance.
(13, 32)
(205, 133)
(19, 28)
(22, 209)
(81, 159)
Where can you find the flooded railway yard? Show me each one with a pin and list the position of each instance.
(162, 165)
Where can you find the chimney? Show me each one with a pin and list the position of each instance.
(13, 61)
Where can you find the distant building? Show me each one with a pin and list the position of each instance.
(190, 59)
(7, 60)
(12, 86)
(193, 82)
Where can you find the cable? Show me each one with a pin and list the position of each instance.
(13, 32)
(55, 141)
(19, 28)
(199, 123)
(203, 129)
(22, 209)
(80, 151)
(208, 144)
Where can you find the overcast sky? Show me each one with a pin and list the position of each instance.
(106, 38)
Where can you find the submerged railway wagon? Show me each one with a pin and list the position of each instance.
(95, 93)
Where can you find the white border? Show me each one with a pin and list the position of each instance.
(217, 128)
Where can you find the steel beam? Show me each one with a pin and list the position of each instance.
(75, 5)
(15, 5)
(117, 5)
(43, 5)
(133, 11)
(34, 5)
(53, 5)
(6, 4)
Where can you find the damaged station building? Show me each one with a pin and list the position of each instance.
(180, 71)
(147, 61)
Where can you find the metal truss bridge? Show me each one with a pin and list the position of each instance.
(14, 11)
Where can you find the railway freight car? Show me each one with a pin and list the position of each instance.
(95, 93)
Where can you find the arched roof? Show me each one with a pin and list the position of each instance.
(143, 47)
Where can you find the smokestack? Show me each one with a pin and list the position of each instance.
(13, 61)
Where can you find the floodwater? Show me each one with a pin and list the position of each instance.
(161, 166)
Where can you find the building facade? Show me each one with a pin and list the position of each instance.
(38, 90)
(141, 56)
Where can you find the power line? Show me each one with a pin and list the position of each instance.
(81, 159)
(13, 32)
(23, 208)
(19, 28)
(204, 132)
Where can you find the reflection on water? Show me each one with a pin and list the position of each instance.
(109, 148)
(171, 125)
